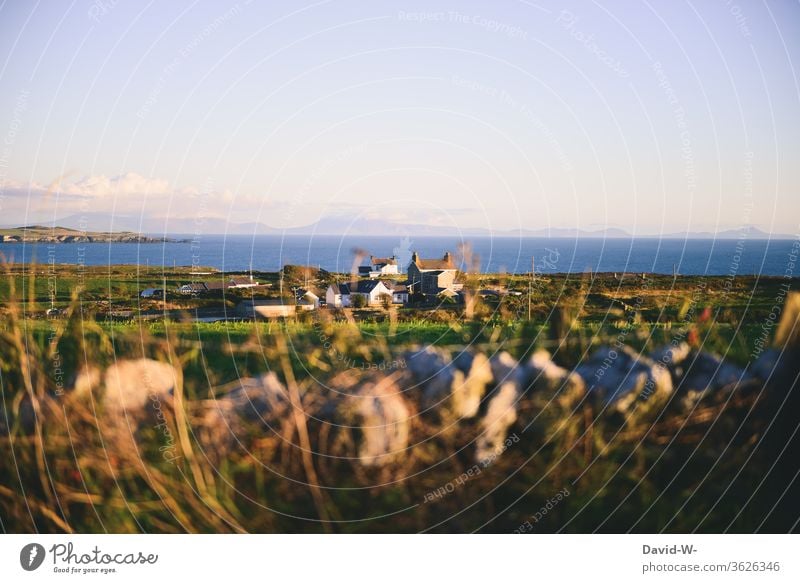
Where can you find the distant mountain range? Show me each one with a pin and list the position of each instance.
(745, 232)
(341, 225)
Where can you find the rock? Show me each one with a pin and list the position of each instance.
(671, 355)
(247, 403)
(504, 368)
(657, 389)
(443, 384)
(621, 376)
(501, 408)
(87, 382)
(129, 393)
(254, 399)
(376, 407)
(128, 385)
(477, 372)
(705, 371)
(541, 374)
(426, 363)
(697, 374)
(385, 424)
(501, 414)
(438, 390)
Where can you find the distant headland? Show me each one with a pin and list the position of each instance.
(41, 234)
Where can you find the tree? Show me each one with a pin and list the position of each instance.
(358, 301)
(386, 301)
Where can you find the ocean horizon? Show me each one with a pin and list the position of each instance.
(772, 257)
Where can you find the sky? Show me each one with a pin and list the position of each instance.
(653, 117)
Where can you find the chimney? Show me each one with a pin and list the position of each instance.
(447, 257)
(414, 257)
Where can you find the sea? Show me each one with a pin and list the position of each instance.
(776, 257)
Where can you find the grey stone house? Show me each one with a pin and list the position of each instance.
(431, 276)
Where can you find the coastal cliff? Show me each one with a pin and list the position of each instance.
(40, 234)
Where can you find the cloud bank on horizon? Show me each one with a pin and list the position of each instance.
(655, 119)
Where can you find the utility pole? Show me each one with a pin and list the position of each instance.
(530, 288)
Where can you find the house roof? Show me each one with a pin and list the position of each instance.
(395, 285)
(446, 262)
(383, 260)
(362, 287)
(240, 280)
(195, 286)
(365, 287)
(430, 264)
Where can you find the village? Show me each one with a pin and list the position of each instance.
(379, 283)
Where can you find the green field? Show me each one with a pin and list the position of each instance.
(593, 309)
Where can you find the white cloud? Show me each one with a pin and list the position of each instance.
(131, 195)
(123, 185)
(99, 186)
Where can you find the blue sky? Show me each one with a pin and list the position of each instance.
(653, 117)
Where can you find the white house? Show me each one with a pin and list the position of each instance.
(265, 308)
(340, 295)
(333, 296)
(379, 266)
(306, 297)
(151, 292)
(399, 293)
